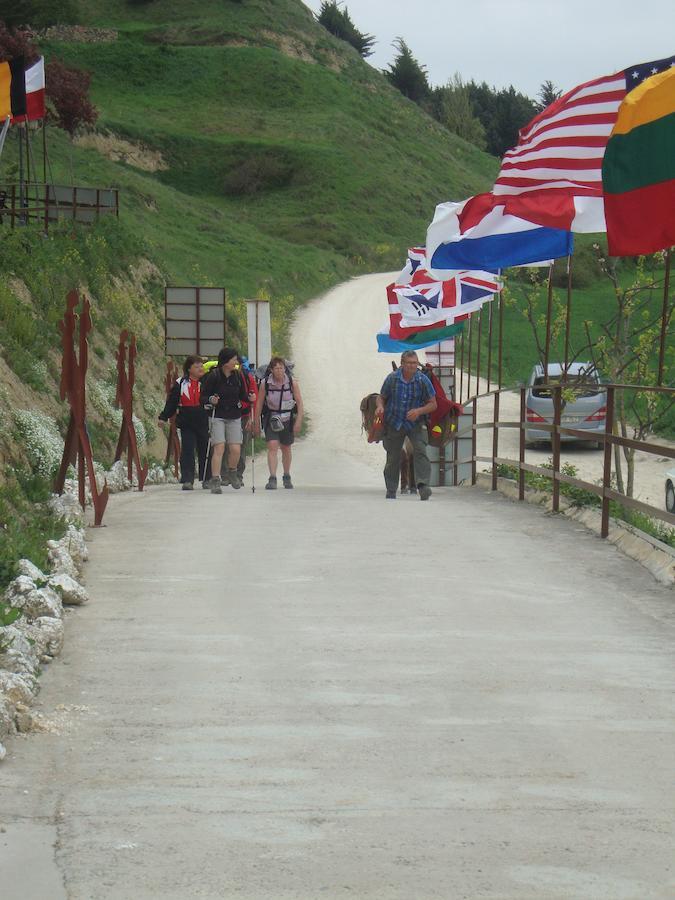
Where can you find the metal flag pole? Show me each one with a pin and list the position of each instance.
(568, 315)
(549, 313)
(664, 318)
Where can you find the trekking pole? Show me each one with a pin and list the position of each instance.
(208, 446)
(252, 457)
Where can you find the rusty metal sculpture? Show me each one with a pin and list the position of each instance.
(172, 441)
(77, 448)
(124, 400)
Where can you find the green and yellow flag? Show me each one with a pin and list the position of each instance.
(638, 170)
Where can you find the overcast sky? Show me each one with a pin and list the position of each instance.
(519, 42)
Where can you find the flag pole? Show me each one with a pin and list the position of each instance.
(468, 362)
(461, 366)
(480, 331)
(664, 317)
(489, 365)
(568, 315)
(549, 310)
(500, 346)
(44, 151)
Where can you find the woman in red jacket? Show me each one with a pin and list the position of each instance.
(192, 419)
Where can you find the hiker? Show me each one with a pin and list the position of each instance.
(246, 409)
(281, 410)
(192, 420)
(225, 391)
(406, 398)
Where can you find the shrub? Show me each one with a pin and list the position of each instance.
(339, 23)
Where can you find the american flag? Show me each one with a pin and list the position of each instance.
(553, 177)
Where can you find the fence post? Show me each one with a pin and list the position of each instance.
(521, 454)
(495, 442)
(557, 408)
(473, 442)
(13, 212)
(607, 468)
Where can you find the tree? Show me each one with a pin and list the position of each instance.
(68, 90)
(339, 23)
(452, 107)
(38, 13)
(548, 94)
(15, 43)
(406, 74)
(502, 113)
(627, 352)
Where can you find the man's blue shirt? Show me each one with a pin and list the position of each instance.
(400, 396)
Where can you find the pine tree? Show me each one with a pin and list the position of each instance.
(548, 93)
(452, 108)
(406, 74)
(340, 24)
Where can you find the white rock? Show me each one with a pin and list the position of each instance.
(44, 601)
(16, 688)
(71, 591)
(30, 570)
(60, 560)
(47, 633)
(3, 752)
(18, 589)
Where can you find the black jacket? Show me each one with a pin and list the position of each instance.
(232, 392)
(194, 417)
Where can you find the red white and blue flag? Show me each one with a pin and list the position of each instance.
(426, 303)
(417, 257)
(553, 177)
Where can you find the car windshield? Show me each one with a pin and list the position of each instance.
(588, 379)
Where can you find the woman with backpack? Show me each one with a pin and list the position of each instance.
(281, 410)
(226, 392)
(192, 420)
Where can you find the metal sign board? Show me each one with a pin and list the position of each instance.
(259, 327)
(194, 320)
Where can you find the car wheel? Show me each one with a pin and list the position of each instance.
(670, 497)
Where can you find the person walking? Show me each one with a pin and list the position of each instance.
(246, 409)
(406, 398)
(225, 391)
(192, 420)
(281, 410)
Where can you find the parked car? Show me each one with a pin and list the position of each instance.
(670, 490)
(587, 412)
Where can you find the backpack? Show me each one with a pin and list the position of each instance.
(262, 379)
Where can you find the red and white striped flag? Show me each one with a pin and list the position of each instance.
(553, 177)
(35, 93)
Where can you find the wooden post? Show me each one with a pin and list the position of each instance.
(607, 466)
(664, 318)
(473, 442)
(521, 451)
(461, 367)
(557, 415)
(495, 441)
(468, 364)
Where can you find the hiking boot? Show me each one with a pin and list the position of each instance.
(288, 484)
(225, 478)
(271, 483)
(235, 481)
(215, 485)
(425, 491)
(187, 486)
(391, 495)
(205, 483)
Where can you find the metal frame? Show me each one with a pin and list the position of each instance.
(610, 440)
(124, 400)
(32, 203)
(198, 307)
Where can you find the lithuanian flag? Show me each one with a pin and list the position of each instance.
(12, 88)
(638, 170)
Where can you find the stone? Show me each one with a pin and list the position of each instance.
(71, 591)
(16, 688)
(47, 633)
(60, 560)
(30, 570)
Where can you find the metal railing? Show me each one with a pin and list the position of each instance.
(605, 491)
(42, 204)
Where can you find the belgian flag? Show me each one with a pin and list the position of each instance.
(12, 88)
(638, 170)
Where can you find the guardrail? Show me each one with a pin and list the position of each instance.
(604, 491)
(23, 204)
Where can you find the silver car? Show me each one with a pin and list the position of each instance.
(587, 411)
(670, 490)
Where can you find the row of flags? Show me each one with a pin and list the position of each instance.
(601, 158)
(22, 91)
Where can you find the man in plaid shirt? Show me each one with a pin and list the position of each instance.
(405, 400)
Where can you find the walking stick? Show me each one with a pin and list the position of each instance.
(252, 457)
(208, 446)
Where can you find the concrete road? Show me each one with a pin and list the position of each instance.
(320, 693)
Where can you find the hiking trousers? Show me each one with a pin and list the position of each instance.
(192, 439)
(393, 444)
